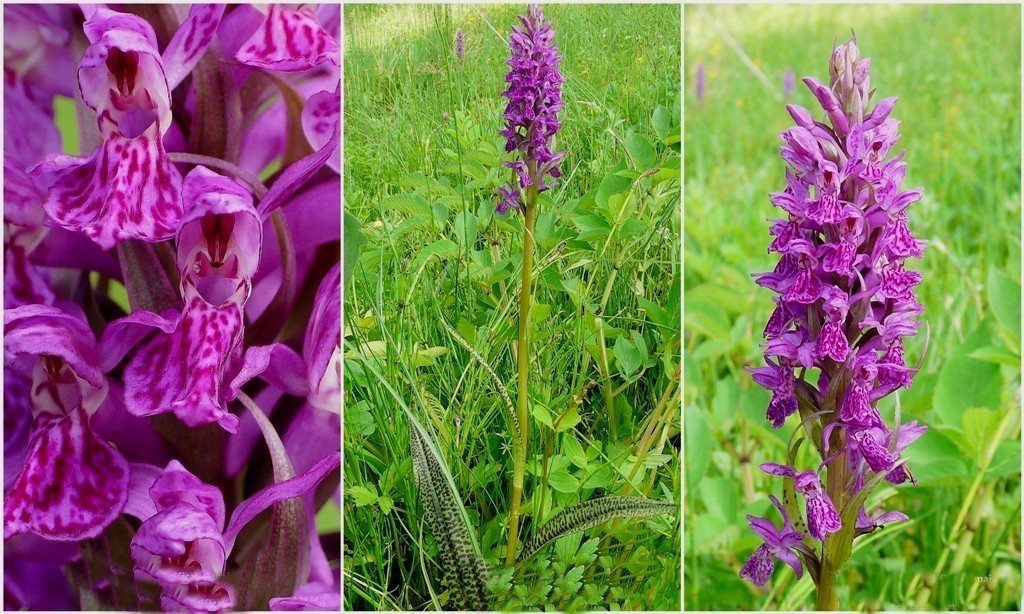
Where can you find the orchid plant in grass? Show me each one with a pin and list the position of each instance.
(834, 344)
(171, 307)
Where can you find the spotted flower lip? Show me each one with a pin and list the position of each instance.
(778, 543)
(822, 517)
(185, 366)
(72, 484)
(289, 40)
(127, 188)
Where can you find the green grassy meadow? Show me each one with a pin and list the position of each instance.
(956, 70)
(422, 165)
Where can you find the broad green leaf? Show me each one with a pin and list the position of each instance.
(720, 497)
(965, 382)
(563, 481)
(1004, 299)
(627, 357)
(354, 241)
(362, 495)
(640, 151)
(574, 451)
(698, 445)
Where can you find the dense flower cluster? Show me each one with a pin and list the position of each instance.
(845, 299)
(534, 99)
(171, 322)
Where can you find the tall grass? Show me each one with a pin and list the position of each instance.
(422, 160)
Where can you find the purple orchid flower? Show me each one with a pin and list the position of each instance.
(128, 187)
(845, 299)
(779, 544)
(72, 484)
(195, 354)
(460, 45)
(198, 311)
(534, 96)
(822, 517)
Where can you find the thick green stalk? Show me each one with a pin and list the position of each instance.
(606, 384)
(523, 366)
(827, 599)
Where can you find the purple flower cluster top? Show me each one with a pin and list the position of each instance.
(531, 116)
(845, 300)
(153, 285)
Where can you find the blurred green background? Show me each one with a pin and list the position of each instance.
(956, 70)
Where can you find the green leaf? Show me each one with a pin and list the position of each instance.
(698, 445)
(358, 419)
(720, 498)
(354, 241)
(979, 425)
(627, 357)
(563, 481)
(465, 228)
(568, 421)
(592, 513)
(1004, 299)
(574, 451)
(409, 204)
(464, 572)
(362, 495)
(640, 151)
(662, 122)
(965, 382)
(611, 184)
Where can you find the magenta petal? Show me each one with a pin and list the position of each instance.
(72, 486)
(297, 174)
(65, 249)
(289, 41)
(190, 41)
(183, 371)
(312, 434)
(279, 491)
(179, 545)
(140, 503)
(128, 189)
(322, 347)
(212, 597)
(320, 120)
(124, 334)
(313, 596)
(34, 577)
(176, 485)
(277, 364)
(24, 284)
(36, 330)
(121, 74)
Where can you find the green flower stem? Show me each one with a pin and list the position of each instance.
(523, 366)
(606, 385)
(828, 601)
